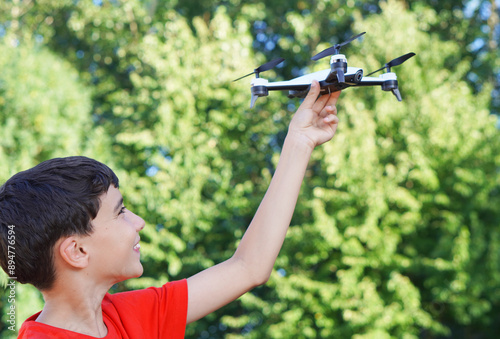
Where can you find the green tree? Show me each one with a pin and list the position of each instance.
(163, 94)
(298, 29)
(203, 151)
(44, 113)
(397, 232)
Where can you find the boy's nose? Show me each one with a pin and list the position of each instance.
(139, 222)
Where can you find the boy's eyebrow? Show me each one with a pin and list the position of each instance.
(117, 207)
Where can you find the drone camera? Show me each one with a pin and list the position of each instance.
(358, 75)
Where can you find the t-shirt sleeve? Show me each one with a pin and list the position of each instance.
(150, 313)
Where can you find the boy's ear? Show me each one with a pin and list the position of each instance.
(73, 253)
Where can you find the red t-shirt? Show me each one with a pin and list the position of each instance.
(149, 313)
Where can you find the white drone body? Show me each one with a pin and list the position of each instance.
(338, 77)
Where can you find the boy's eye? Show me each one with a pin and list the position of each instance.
(122, 210)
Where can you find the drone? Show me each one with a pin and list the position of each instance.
(338, 77)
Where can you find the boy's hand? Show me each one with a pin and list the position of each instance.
(315, 122)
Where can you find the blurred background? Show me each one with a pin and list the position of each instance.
(396, 233)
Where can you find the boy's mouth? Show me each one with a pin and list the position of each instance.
(137, 246)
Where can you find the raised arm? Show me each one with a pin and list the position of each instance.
(314, 123)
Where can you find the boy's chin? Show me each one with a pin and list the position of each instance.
(138, 273)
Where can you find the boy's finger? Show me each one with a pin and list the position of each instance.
(331, 119)
(321, 102)
(312, 95)
(328, 110)
(332, 101)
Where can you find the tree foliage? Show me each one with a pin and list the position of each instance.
(396, 230)
(44, 113)
(397, 203)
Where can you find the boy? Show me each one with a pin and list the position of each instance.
(75, 239)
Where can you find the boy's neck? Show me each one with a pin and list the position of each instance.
(77, 309)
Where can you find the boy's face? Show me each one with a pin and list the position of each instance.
(114, 247)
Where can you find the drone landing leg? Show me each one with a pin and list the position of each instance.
(395, 91)
(253, 100)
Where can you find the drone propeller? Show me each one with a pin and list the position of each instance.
(335, 48)
(266, 67)
(395, 62)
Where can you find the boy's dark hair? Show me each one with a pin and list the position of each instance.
(56, 198)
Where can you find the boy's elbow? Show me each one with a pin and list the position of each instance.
(261, 275)
(262, 279)
(256, 274)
